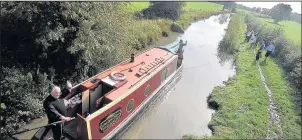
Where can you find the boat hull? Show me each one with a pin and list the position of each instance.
(160, 92)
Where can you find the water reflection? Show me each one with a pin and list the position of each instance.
(223, 54)
(223, 18)
(184, 110)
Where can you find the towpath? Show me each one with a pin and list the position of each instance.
(273, 114)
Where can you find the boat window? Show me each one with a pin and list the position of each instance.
(169, 70)
(164, 75)
(147, 90)
(130, 105)
(167, 73)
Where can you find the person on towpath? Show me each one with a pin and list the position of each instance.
(262, 47)
(253, 40)
(249, 27)
(249, 35)
(56, 111)
(269, 50)
(248, 32)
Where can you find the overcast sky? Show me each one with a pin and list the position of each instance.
(296, 6)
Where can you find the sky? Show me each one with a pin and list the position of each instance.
(296, 6)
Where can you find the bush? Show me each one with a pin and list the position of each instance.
(60, 39)
(21, 97)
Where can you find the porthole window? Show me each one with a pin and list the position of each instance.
(130, 105)
(147, 90)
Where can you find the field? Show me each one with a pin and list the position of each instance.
(292, 30)
(204, 6)
(137, 6)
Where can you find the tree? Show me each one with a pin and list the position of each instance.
(265, 11)
(169, 10)
(295, 17)
(228, 5)
(281, 12)
(258, 9)
(254, 9)
(46, 43)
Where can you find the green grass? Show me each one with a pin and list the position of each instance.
(137, 6)
(292, 30)
(204, 6)
(290, 120)
(243, 111)
(243, 103)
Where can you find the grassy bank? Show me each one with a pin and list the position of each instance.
(243, 103)
(286, 98)
(143, 32)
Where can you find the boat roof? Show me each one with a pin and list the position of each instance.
(143, 64)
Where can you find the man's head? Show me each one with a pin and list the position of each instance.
(56, 92)
(181, 41)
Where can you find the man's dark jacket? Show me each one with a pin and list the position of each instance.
(54, 108)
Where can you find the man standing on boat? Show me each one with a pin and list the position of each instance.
(56, 111)
(180, 52)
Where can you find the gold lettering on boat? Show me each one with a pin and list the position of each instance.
(107, 122)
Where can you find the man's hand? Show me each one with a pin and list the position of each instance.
(98, 101)
(63, 118)
(69, 102)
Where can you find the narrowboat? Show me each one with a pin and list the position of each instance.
(106, 104)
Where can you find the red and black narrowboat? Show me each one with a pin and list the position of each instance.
(105, 104)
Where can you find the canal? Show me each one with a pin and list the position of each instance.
(184, 109)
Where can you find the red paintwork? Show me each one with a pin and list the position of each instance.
(138, 97)
(122, 87)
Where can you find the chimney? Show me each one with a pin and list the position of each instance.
(132, 58)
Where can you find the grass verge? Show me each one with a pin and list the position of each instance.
(288, 107)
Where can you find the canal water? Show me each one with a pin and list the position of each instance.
(184, 109)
